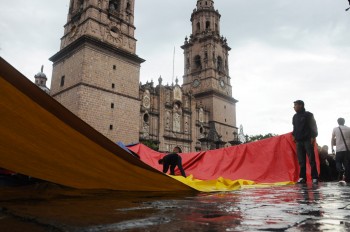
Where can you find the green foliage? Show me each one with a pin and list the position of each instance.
(253, 138)
(151, 144)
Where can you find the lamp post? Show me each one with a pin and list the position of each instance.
(235, 140)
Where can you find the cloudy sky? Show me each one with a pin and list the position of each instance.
(282, 50)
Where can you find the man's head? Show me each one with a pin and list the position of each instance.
(298, 105)
(341, 121)
(177, 150)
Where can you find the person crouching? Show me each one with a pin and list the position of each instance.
(172, 160)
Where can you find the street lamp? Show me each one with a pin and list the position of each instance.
(235, 140)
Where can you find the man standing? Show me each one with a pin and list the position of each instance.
(172, 160)
(341, 139)
(304, 135)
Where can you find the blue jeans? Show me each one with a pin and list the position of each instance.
(306, 148)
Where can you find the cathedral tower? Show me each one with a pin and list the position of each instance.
(96, 72)
(206, 73)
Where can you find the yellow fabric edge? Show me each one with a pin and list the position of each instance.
(222, 185)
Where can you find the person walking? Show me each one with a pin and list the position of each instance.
(341, 140)
(304, 135)
(172, 160)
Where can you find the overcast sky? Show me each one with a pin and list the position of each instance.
(282, 50)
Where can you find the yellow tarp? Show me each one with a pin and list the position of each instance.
(221, 184)
(42, 139)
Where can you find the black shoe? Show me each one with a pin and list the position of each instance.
(301, 181)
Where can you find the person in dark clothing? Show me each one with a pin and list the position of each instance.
(304, 135)
(172, 160)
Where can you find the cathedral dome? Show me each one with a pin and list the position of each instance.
(40, 75)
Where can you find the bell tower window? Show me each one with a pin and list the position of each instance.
(198, 27)
(207, 25)
(128, 6)
(198, 62)
(219, 64)
(114, 5)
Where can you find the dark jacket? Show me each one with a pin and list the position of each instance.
(170, 159)
(173, 160)
(304, 126)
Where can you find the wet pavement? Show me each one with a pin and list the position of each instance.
(47, 207)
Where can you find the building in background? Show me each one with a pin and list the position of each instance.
(40, 80)
(96, 75)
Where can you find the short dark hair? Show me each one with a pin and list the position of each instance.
(299, 102)
(178, 148)
(341, 121)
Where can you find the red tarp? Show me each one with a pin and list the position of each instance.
(267, 161)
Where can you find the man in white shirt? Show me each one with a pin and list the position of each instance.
(341, 139)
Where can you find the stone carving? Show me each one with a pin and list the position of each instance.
(201, 115)
(146, 100)
(167, 120)
(177, 118)
(177, 94)
(177, 123)
(145, 130)
(167, 96)
(186, 126)
(186, 102)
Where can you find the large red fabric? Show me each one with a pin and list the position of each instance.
(266, 161)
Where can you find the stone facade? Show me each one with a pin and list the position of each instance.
(96, 73)
(206, 73)
(169, 117)
(96, 76)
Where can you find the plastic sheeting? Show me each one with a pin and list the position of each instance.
(271, 160)
(42, 139)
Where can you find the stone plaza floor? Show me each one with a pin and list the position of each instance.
(47, 207)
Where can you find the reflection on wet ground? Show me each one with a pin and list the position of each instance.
(47, 207)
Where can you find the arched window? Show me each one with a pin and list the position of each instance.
(198, 27)
(219, 64)
(146, 118)
(197, 62)
(114, 5)
(128, 6)
(62, 81)
(207, 25)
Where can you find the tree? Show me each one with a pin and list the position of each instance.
(253, 138)
(151, 144)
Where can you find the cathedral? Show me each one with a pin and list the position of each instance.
(96, 75)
